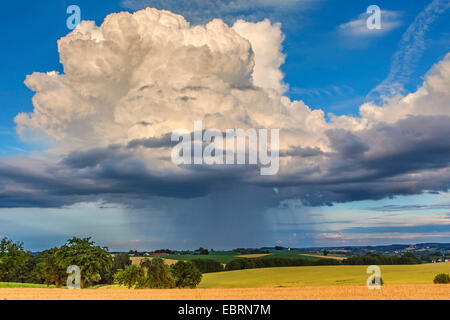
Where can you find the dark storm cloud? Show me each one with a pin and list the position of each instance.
(407, 157)
(154, 143)
(306, 152)
(110, 174)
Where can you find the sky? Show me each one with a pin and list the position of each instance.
(363, 114)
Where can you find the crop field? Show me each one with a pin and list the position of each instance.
(286, 283)
(322, 276)
(388, 292)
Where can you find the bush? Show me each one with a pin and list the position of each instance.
(442, 278)
(186, 274)
(207, 265)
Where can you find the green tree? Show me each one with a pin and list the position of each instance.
(157, 274)
(13, 258)
(207, 265)
(186, 274)
(120, 261)
(50, 270)
(92, 260)
(130, 276)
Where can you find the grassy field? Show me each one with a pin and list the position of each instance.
(321, 276)
(226, 256)
(22, 285)
(293, 254)
(222, 257)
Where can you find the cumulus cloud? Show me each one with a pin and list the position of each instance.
(266, 40)
(136, 78)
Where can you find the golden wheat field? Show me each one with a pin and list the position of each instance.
(391, 292)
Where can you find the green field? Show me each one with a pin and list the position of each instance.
(321, 276)
(222, 257)
(23, 285)
(226, 256)
(292, 254)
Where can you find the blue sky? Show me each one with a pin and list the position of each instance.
(328, 66)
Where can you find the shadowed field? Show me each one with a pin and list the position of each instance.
(393, 292)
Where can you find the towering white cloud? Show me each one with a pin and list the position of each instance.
(136, 78)
(147, 74)
(267, 43)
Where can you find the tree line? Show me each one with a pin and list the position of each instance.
(367, 259)
(372, 258)
(272, 262)
(97, 266)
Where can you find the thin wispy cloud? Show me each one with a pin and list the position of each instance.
(357, 27)
(410, 50)
(331, 91)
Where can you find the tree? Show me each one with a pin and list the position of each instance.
(12, 258)
(49, 269)
(119, 262)
(26, 272)
(202, 251)
(207, 265)
(131, 276)
(325, 252)
(157, 274)
(186, 274)
(92, 260)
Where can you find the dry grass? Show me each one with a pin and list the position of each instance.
(389, 292)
